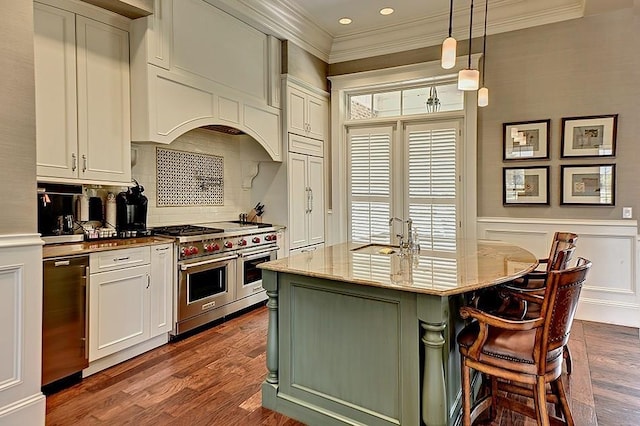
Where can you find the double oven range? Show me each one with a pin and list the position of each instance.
(216, 269)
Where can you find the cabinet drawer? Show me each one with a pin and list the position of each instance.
(118, 259)
(304, 145)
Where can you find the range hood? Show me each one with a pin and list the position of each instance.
(224, 129)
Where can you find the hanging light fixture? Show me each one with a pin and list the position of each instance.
(483, 93)
(468, 78)
(449, 45)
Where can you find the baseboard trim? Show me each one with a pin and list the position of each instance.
(27, 411)
(610, 312)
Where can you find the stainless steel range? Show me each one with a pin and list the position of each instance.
(217, 270)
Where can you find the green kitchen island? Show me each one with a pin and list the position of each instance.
(359, 337)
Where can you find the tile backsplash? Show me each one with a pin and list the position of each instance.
(233, 150)
(188, 179)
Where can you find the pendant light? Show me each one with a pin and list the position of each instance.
(483, 93)
(449, 45)
(468, 79)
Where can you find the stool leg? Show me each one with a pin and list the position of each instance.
(466, 394)
(567, 358)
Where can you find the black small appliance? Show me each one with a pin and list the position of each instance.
(131, 212)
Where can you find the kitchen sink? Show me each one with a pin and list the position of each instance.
(377, 249)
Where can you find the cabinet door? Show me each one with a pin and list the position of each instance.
(104, 138)
(55, 81)
(298, 200)
(162, 280)
(296, 114)
(317, 111)
(118, 310)
(315, 175)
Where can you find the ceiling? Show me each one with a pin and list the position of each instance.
(313, 24)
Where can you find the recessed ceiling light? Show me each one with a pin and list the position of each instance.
(345, 21)
(386, 11)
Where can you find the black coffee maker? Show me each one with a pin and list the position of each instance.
(131, 212)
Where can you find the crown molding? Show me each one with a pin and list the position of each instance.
(505, 16)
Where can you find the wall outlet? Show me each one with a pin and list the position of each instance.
(627, 212)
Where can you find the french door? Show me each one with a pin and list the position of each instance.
(405, 170)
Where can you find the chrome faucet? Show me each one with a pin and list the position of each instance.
(407, 245)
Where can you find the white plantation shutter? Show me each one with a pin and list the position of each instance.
(431, 183)
(370, 183)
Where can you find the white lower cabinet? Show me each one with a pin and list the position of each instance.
(129, 304)
(119, 306)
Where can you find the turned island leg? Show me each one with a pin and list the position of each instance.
(434, 396)
(272, 338)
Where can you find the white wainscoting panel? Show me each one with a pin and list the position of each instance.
(21, 401)
(611, 292)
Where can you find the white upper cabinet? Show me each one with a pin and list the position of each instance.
(56, 107)
(307, 113)
(82, 98)
(194, 65)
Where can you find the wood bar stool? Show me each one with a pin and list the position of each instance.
(522, 357)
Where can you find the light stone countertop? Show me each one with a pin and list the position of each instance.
(474, 265)
(86, 247)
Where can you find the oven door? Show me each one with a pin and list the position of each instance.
(205, 285)
(249, 275)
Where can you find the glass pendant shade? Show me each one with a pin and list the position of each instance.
(483, 97)
(449, 53)
(468, 79)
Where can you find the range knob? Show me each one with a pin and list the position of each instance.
(242, 242)
(215, 247)
(188, 251)
(208, 248)
(271, 237)
(228, 244)
(256, 240)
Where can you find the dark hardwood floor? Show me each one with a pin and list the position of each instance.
(214, 377)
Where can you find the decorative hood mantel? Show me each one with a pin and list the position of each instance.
(185, 74)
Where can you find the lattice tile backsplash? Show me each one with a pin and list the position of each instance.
(189, 179)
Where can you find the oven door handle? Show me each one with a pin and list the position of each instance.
(185, 266)
(259, 252)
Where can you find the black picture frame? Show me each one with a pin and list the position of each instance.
(588, 185)
(525, 186)
(536, 140)
(590, 136)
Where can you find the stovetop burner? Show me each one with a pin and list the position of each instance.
(185, 230)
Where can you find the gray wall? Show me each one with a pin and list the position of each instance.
(587, 66)
(583, 67)
(17, 120)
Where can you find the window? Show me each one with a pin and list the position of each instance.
(426, 158)
(404, 102)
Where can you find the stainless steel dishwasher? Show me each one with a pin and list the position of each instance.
(64, 317)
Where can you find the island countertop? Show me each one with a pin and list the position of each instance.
(474, 265)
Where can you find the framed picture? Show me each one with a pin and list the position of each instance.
(589, 136)
(588, 185)
(526, 140)
(525, 185)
